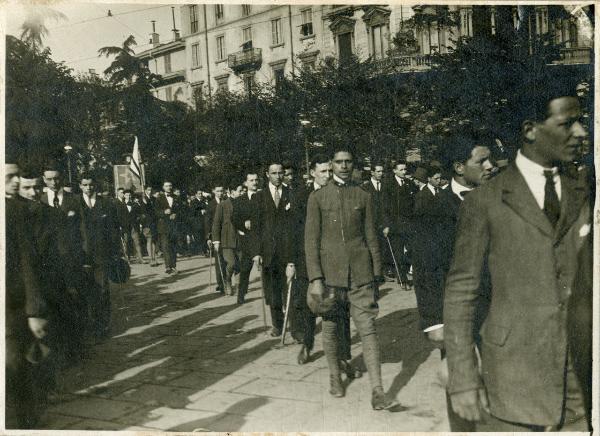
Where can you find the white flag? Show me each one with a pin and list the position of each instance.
(136, 159)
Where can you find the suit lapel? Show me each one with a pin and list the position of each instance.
(517, 195)
(573, 196)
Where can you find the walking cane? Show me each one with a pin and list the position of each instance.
(287, 312)
(394, 259)
(262, 299)
(124, 248)
(210, 267)
(220, 268)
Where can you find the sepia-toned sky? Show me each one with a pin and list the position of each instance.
(87, 27)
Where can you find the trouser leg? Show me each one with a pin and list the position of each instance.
(102, 304)
(344, 335)
(135, 236)
(229, 264)
(274, 283)
(219, 270)
(330, 343)
(164, 246)
(364, 310)
(245, 269)
(302, 319)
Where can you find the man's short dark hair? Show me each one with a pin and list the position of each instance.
(87, 176)
(318, 159)
(250, 173)
(377, 163)
(400, 162)
(342, 149)
(288, 165)
(459, 148)
(433, 169)
(51, 166)
(29, 172)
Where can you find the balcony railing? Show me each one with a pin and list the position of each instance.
(576, 55)
(405, 63)
(245, 60)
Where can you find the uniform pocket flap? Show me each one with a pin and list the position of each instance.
(495, 334)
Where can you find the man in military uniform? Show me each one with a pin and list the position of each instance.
(343, 260)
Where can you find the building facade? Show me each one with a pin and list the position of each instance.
(229, 47)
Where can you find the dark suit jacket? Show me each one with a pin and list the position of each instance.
(129, 220)
(223, 229)
(340, 237)
(433, 229)
(274, 227)
(302, 194)
(211, 209)
(196, 216)
(378, 204)
(164, 223)
(68, 226)
(147, 214)
(99, 231)
(24, 295)
(532, 267)
(244, 210)
(398, 205)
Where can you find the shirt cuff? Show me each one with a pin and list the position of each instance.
(433, 327)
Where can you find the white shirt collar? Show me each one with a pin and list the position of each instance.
(400, 180)
(533, 173)
(339, 180)
(272, 188)
(250, 194)
(316, 186)
(431, 188)
(375, 182)
(58, 194)
(457, 188)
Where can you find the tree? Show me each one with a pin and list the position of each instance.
(34, 29)
(126, 68)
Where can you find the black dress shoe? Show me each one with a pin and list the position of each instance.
(336, 388)
(275, 332)
(351, 371)
(303, 355)
(379, 401)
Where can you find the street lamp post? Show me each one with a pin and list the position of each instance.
(68, 150)
(305, 124)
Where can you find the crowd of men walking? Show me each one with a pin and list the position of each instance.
(499, 257)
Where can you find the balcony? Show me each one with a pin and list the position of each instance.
(245, 60)
(576, 55)
(404, 63)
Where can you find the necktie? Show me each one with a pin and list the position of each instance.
(55, 202)
(463, 194)
(551, 203)
(378, 183)
(436, 191)
(276, 197)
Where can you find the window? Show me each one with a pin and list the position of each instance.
(222, 84)
(219, 13)
(247, 38)
(167, 63)
(307, 26)
(246, 9)
(196, 55)
(169, 94)
(221, 53)
(248, 83)
(279, 76)
(345, 46)
(276, 32)
(466, 22)
(193, 18)
(379, 41)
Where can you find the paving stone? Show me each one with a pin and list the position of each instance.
(203, 380)
(59, 422)
(174, 397)
(95, 408)
(166, 418)
(281, 389)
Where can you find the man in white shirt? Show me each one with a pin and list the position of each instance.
(529, 234)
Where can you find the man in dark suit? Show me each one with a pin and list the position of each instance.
(343, 261)
(129, 213)
(25, 304)
(275, 210)
(167, 209)
(211, 209)
(224, 237)
(433, 228)
(243, 214)
(197, 211)
(66, 218)
(375, 187)
(528, 224)
(101, 244)
(399, 194)
(148, 222)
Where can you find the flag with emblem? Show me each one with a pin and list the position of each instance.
(135, 164)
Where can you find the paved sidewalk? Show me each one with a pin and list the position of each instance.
(184, 358)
